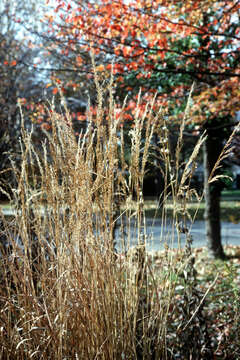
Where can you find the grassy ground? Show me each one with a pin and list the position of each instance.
(232, 194)
(230, 209)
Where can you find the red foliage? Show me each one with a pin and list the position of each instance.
(140, 35)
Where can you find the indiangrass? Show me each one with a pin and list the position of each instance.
(72, 284)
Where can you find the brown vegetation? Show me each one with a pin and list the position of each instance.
(68, 290)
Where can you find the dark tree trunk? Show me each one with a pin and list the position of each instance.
(212, 193)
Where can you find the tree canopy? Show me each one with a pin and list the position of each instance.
(154, 43)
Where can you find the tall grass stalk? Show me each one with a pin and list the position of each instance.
(68, 290)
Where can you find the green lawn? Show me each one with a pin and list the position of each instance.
(234, 194)
(230, 209)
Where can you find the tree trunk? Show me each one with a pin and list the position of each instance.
(212, 193)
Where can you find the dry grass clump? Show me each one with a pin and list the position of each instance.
(68, 290)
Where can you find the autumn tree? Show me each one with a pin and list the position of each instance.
(162, 46)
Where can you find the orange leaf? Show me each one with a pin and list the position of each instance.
(45, 126)
(81, 117)
(55, 91)
(127, 117)
(100, 68)
(79, 60)
(134, 65)
(120, 79)
(125, 52)
(117, 51)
